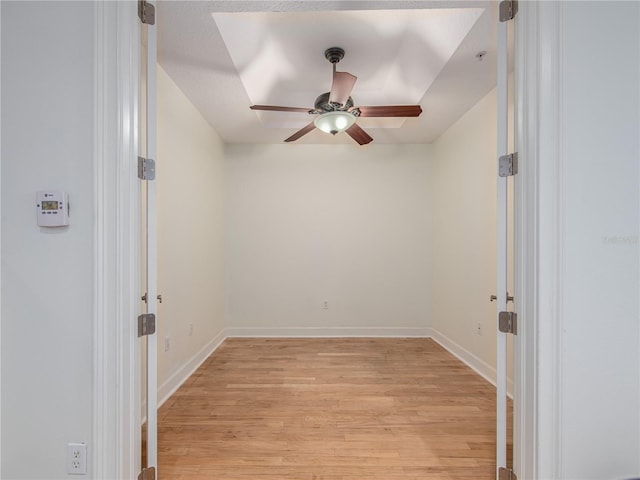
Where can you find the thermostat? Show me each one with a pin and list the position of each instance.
(52, 208)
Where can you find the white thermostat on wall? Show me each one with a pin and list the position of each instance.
(52, 208)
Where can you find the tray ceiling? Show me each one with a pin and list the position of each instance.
(226, 56)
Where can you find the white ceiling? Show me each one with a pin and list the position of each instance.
(228, 55)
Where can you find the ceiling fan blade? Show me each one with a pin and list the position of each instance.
(343, 83)
(391, 111)
(274, 108)
(358, 134)
(303, 131)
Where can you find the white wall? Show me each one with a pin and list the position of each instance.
(342, 223)
(464, 241)
(308, 223)
(464, 244)
(47, 275)
(190, 174)
(599, 106)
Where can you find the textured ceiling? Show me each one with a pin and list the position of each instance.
(226, 56)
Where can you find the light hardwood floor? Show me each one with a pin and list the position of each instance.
(330, 409)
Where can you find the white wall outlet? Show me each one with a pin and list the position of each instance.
(325, 305)
(479, 328)
(167, 343)
(77, 458)
(191, 329)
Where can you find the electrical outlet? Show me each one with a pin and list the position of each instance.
(191, 329)
(479, 328)
(167, 343)
(325, 305)
(77, 458)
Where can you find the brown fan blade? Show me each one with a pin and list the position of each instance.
(343, 83)
(280, 109)
(391, 111)
(358, 134)
(303, 131)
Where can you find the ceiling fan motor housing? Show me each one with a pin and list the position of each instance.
(324, 105)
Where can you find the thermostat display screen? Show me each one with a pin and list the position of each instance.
(49, 205)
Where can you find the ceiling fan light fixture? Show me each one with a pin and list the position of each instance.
(334, 122)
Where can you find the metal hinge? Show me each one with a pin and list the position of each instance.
(147, 474)
(508, 10)
(146, 12)
(508, 322)
(508, 165)
(146, 169)
(506, 474)
(146, 324)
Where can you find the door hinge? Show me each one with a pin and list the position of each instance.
(146, 12)
(146, 324)
(146, 169)
(508, 165)
(508, 10)
(508, 322)
(147, 474)
(506, 474)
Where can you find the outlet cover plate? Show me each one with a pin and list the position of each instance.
(77, 458)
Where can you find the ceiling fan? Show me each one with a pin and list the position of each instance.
(335, 110)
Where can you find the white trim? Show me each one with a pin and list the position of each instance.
(502, 234)
(174, 382)
(524, 352)
(478, 365)
(116, 235)
(328, 332)
(547, 236)
(128, 247)
(0, 242)
(539, 230)
(151, 245)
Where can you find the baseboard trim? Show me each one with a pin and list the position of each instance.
(472, 361)
(303, 332)
(174, 382)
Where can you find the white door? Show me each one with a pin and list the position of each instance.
(504, 318)
(149, 339)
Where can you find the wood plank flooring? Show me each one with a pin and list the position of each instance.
(329, 409)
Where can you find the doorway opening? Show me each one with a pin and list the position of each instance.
(259, 206)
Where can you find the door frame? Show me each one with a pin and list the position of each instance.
(116, 390)
(538, 240)
(116, 387)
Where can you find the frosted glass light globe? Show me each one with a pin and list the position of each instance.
(334, 122)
